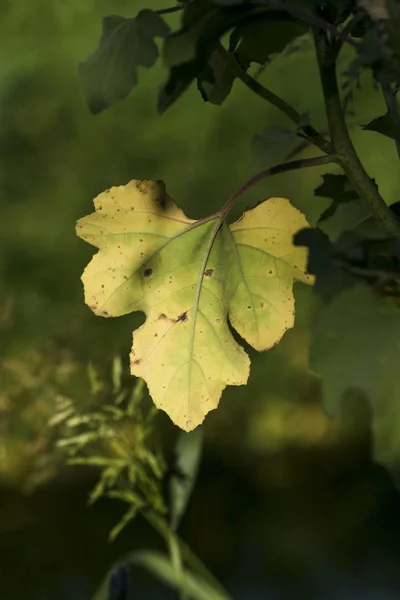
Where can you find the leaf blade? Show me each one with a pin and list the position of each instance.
(110, 73)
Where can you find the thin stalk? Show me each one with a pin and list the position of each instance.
(313, 20)
(281, 168)
(337, 45)
(187, 554)
(176, 561)
(311, 134)
(342, 144)
(171, 9)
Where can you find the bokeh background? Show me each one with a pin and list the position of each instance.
(288, 503)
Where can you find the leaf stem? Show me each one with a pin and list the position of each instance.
(337, 45)
(188, 556)
(281, 168)
(171, 9)
(308, 131)
(313, 20)
(342, 144)
(176, 561)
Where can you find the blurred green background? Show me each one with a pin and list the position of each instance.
(288, 504)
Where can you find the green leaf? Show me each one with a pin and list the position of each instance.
(356, 346)
(385, 125)
(188, 454)
(339, 189)
(126, 44)
(123, 522)
(189, 277)
(329, 278)
(187, 51)
(216, 80)
(266, 36)
(159, 565)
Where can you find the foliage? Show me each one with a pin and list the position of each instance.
(343, 353)
(116, 440)
(356, 277)
(189, 276)
(356, 262)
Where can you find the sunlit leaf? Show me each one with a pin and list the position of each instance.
(189, 277)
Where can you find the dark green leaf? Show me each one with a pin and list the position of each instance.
(385, 125)
(267, 36)
(119, 578)
(339, 189)
(111, 72)
(192, 584)
(216, 80)
(330, 278)
(187, 456)
(355, 346)
(188, 51)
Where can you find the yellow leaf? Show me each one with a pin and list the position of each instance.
(190, 277)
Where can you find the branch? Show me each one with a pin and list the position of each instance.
(342, 144)
(293, 165)
(308, 131)
(315, 21)
(348, 29)
(171, 9)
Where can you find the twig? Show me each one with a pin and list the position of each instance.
(308, 131)
(348, 29)
(171, 9)
(342, 144)
(281, 168)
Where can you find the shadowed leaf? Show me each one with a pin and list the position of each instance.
(126, 44)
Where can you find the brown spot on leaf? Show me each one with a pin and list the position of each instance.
(136, 361)
(163, 317)
(208, 272)
(262, 304)
(183, 317)
(148, 272)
